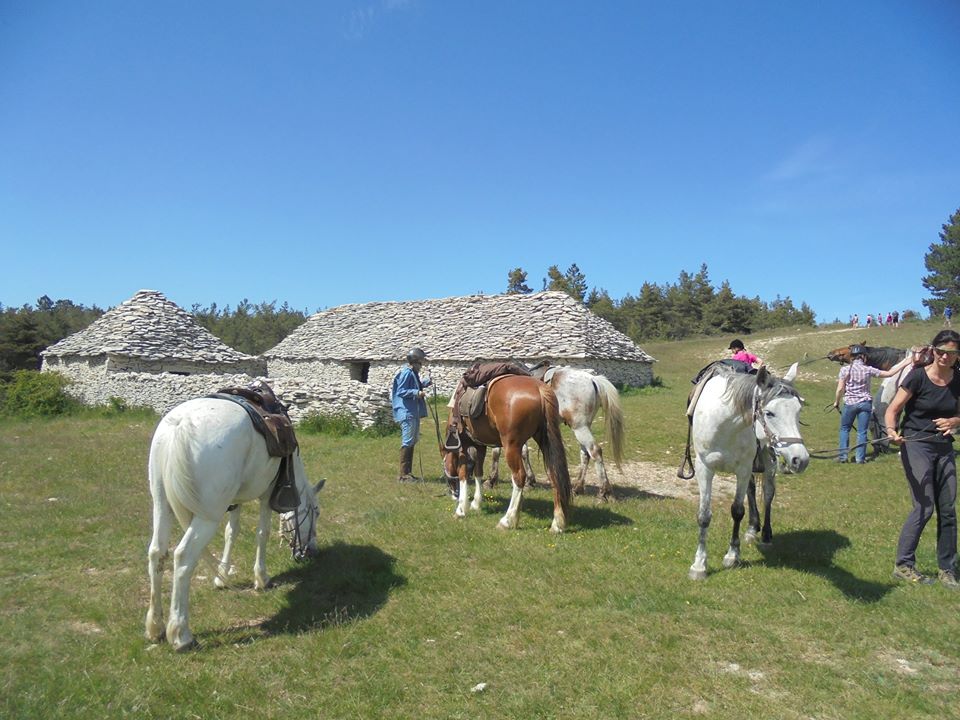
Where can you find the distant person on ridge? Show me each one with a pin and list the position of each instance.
(407, 395)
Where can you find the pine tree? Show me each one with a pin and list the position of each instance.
(517, 282)
(943, 263)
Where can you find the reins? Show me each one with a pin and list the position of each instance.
(832, 454)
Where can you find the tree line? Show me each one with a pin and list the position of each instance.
(26, 331)
(690, 306)
(671, 311)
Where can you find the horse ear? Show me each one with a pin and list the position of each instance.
(791, 373)
(763, 376)
(319, 486)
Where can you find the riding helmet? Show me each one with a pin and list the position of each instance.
(416, 355)
(735, 345)
(857, 350)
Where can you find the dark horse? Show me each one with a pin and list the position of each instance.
(517, 408)
(882, 358)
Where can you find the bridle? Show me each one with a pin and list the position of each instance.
(774, 441)
(290, 527)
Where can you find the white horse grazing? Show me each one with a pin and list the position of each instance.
(205, 457)
(581, 394)
(735, 411)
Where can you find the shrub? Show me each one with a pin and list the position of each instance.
(34, 394)
(343, 424)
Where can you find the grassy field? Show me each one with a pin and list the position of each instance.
(407, 610)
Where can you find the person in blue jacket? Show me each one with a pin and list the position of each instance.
(408, 407)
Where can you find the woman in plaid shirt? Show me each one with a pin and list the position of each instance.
(853, 388)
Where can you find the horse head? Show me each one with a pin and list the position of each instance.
(840, 355)
(777, 418)
(299, 527)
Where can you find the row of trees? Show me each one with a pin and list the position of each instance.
(27, 330)
(690, 306)
(250, 328)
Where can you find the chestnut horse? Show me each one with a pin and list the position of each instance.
(517, 408)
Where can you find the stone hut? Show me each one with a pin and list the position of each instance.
(147, 351)
(344, 359)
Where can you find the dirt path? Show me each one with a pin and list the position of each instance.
(656, 479)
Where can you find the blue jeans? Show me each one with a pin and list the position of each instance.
(861, 413)
(409, 431)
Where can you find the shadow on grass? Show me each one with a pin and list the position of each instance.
(344, 583)
(582, 516)
(812, 551)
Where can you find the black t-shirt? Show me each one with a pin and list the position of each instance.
(927, 403)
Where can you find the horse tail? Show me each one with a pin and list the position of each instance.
(551, 445)
(613, 414)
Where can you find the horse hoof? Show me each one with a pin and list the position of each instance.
(191, 644)
(697, 574)
(749, 538)
(729, 562)
(488, 484)
(556, 529)
(502, 526)
(458, 515)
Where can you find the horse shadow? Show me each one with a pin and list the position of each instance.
(583, 517)
(812, 551)
(344, 583)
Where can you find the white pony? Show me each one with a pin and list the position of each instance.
(581, 394)
(735, 411)
(205, 458)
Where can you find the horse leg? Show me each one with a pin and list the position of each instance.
(156, 556)
(261, 581)
(753, 519)
(464, 470)
(732, 557)
(589, 448)
(511, 518)
(185, 558)
(769, 490)
(581, 481)
(229, 536)
(698, 571)
(494, 468)
(525, 453)
(478, 479)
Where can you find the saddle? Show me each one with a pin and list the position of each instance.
(270, 419)
(717, 367)
(469, 398)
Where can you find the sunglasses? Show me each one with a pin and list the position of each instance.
(944, 351)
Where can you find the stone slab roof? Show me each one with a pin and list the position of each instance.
(150, 327)
(468, 328)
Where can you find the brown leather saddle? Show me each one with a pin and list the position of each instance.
(470, 397)
(270, 419)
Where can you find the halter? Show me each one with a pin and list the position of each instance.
(774, 441)
(290, 528)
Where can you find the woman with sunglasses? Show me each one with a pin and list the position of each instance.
(929, 397)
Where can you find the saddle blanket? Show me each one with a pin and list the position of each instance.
(270, 419)
(268, 414)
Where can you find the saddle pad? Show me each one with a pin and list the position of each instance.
(269, 419)
(472, 402)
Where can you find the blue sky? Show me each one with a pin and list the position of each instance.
(322, 153)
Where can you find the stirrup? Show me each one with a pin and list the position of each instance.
(284, 498)
(447, 445)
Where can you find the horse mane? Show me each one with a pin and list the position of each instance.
(741, 387)
(883, 357)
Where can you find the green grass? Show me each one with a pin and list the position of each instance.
(407, 609)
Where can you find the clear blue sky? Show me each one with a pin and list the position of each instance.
(403, 149)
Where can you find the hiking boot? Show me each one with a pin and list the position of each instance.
(948, 578)
(910, 574)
